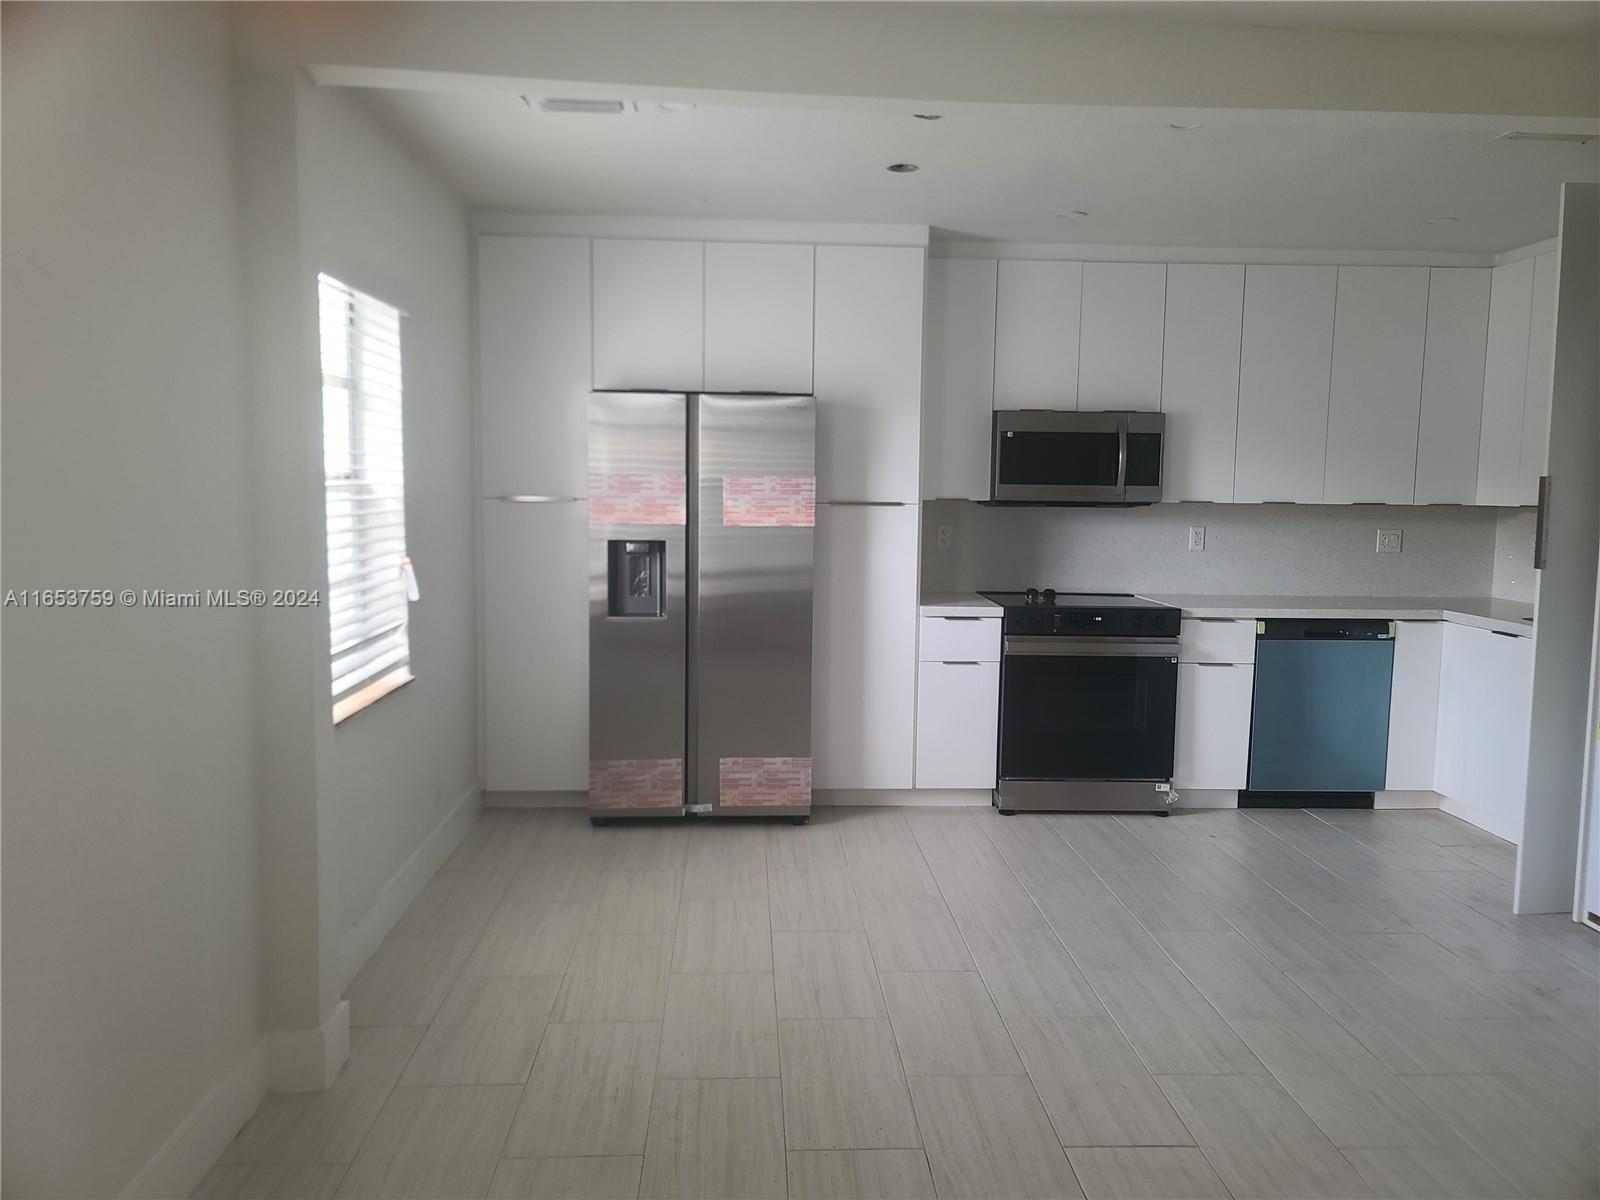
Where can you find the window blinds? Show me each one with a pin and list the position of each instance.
(364, 470)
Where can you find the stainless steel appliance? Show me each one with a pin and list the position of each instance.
(701, 512)
(1082, 458)
(1088, 701)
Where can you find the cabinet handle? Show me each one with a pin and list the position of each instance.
(1503, 633)
(529, 499)
(1217, 664)
(1216, 620)
(867, 503)
(963, 662)
(955, 618)
(1542, 523)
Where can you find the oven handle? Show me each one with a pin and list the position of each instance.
(1088, 647)
(1122, 458)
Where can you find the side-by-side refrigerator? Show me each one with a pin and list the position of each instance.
(701, 514)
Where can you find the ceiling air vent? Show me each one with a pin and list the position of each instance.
(1519, 135)
(568, 104)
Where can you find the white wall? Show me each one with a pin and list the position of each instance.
(130, 919)
(1514, 578)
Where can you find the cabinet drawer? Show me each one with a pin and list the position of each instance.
(958, 713)
(960, 639)
(1217, 641)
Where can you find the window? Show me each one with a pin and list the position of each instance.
(363, 456)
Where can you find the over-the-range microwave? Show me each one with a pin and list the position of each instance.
(1047, 457)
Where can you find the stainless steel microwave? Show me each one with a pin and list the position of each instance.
(1111, 458)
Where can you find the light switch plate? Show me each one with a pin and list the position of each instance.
(1197, 537)
(944, 535)
(1388, 541)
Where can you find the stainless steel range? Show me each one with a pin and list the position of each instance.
(1088, 701)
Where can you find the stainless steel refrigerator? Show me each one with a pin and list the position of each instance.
(701, 514)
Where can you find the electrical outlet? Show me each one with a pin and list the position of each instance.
(1388, 541)
(1197, 537)
(944, 536)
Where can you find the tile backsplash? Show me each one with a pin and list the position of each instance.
(1250, 549)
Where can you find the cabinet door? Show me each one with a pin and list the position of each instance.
(1505, 382)
(958, 395)
(1414, 705)
(1452, 385)
(1200, 380)
(1212, 748)
(1381, 317)
(1036, 334)
(758, 317)
(1485, 698)
(536, 646)
(1540, 378)
(869, 372)
(649, 315)
(533, 364)
(1284, 368)
(1119, 343)
(863, 707)
(958, 715)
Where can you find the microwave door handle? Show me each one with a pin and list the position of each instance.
(1122, 459)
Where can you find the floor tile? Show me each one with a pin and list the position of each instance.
(1234, 976)
(843, 1087)
(1039, 858)
(1173, 1027)
(454, 904)
(614, 1177)
(727, 863)
(722, 935)
(1548, 1054)
(433, 1142)
(616, 977)
(1292, 941)
(1258, 1139)
(719, 1027)
(636, 902)
(529, 940)
(811, 895)
(913, 934)
(1094, 1088)
(1164, 903)
(1098, 930)
(1104, 842)
(823, 973)
(1405, 1173)
(486, 1031)
(1030, 974)
(954, 838)
(1395, 1024)
(588, 1093)
(406, 980)
(988, 1136)
(1145, 1173)
(946, 1024)
(890, 868)
(988, 898)
(859, 1175)
(271, 1181)
(717, 1139)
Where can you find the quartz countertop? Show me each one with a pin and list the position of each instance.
(958, 604)
(1483, 612)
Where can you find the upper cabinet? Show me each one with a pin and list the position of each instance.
(958, 389)
(1505, 383)
(1036, 334)
(1540, 378)
(1380, 318)
(1200, 380)
(533, 364)
(1284, 368)
(649, 315)
(758, 317)
(1452, 385)
(1119, 343)
(868, 372)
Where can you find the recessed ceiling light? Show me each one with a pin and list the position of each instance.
(571, 104)
(1182, 128)
(903, 168)
(673, 106)
(1519, 135)
(1440, 220)
(928, 116)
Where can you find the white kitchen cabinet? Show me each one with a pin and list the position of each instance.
(959, 639)
(1537, 392)
(649, 315)
(1375, 394)
(533, 364)
(1120, 336)
(1037, 309)
(958, 709)
(1481, 754)
(864, 654)
(536, 646)
(1216, 640)
(758, 317)
(958, 392)
(868, 374)
(1200, 379)
(1284, 366)
(1212, 739)
(1505, 383)
(1452, 385)
(1414, 706)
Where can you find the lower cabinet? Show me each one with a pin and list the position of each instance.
(958, 708)
(1212, 748)
(1414, 706)
(1481, 759)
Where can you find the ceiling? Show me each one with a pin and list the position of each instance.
(1244, 178)
(1472, 18)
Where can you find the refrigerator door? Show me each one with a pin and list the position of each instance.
(638, 603)
(750, 639)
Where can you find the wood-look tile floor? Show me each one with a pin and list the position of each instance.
(947, 1002)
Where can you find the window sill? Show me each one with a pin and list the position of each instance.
(355, 702)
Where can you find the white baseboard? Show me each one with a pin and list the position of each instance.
(535, 799)
(357, 943)
(306, 1060)
(905, 797)
(1206, 798)
(183, 1159)
(1406, 799)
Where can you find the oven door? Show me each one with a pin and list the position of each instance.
(1088, 708)
(1059, 457)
